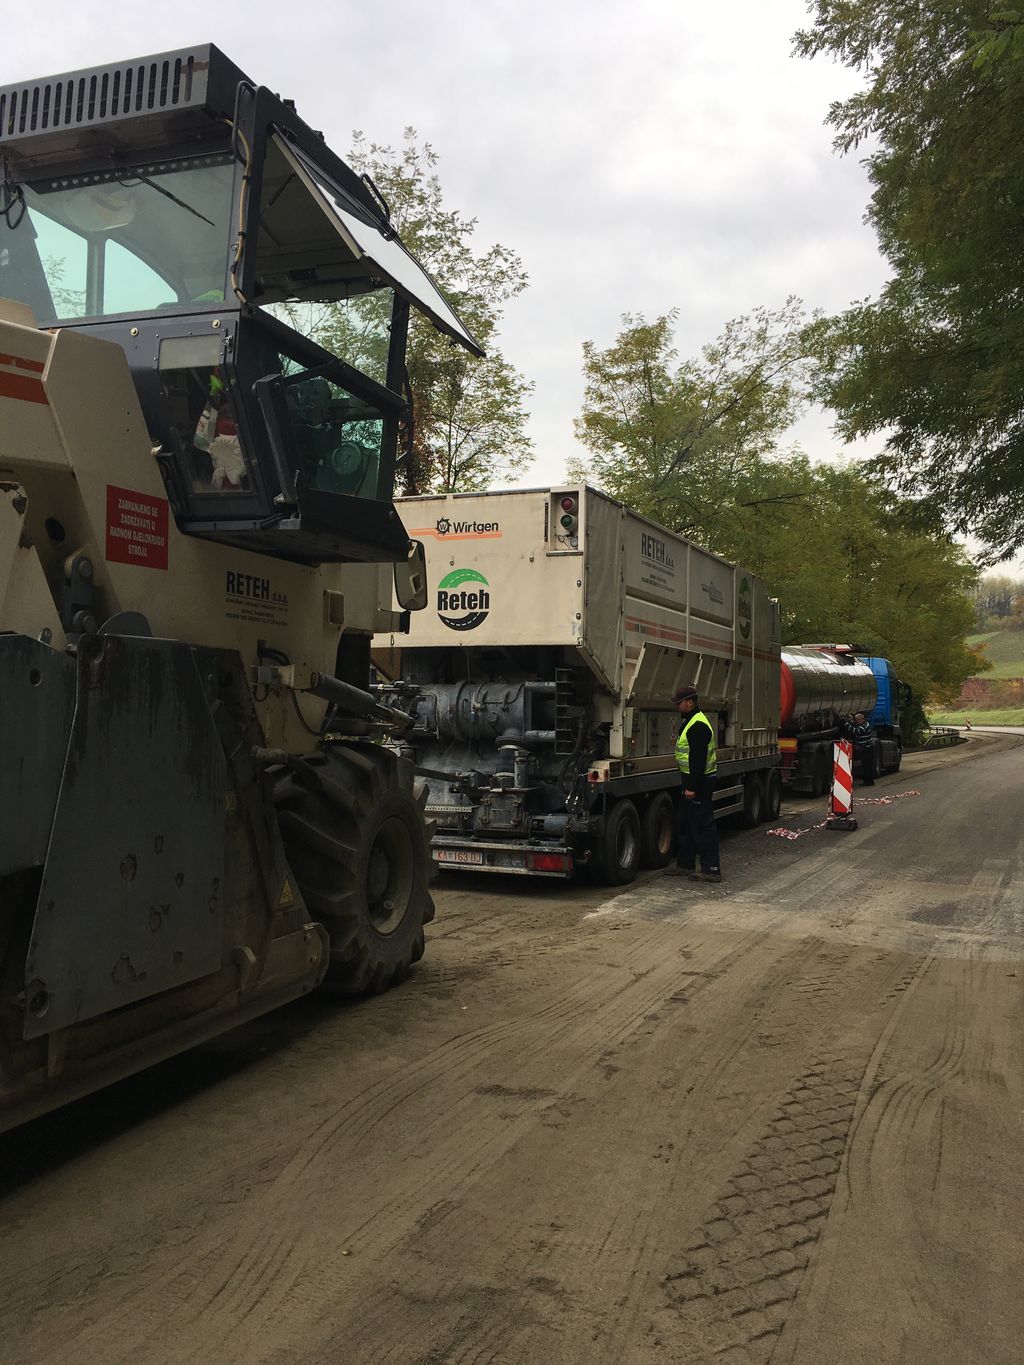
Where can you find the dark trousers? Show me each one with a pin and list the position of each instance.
(866, 762)
(697, 833)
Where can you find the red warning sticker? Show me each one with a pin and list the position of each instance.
(136, 528)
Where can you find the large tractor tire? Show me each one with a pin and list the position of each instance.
(355, 838)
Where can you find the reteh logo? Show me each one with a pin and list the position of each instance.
(655, 551)
(744, 612)
(460, 607)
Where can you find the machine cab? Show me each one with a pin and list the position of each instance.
(252, 278)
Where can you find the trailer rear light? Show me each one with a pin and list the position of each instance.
(549, 862)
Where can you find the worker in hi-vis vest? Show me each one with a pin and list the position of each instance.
(697, 760)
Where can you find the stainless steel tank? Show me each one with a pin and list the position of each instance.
(813, 681)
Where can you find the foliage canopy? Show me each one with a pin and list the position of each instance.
(693, 445)
(936, 363)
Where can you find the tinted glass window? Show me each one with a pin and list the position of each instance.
(122, 241)
(202, 415)
(336, 436)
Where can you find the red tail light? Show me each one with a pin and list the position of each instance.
(549, 862)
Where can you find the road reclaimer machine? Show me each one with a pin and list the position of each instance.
(198, 539)
(541, 681)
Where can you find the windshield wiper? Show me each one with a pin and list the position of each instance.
(12, 197)
(145, 180)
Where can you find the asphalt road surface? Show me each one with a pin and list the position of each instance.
(776, 1120)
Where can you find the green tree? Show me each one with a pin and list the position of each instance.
(994, 599)
(663, 434)
(843, 553)
(469, 418)
(936, 363)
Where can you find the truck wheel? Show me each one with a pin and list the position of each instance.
(355, 839)
(657, 831)
(773, 795)
(822, 773)
(753, 801)
(617, 855)
(898, 760)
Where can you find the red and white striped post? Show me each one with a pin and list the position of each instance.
(840, 804)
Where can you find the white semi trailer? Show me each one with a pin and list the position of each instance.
(540, 680)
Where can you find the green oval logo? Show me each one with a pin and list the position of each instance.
(463, 599)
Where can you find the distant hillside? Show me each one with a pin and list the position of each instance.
(1006, 650)
(1002, 687)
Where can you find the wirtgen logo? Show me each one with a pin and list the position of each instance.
(460, 607)
(446, 527)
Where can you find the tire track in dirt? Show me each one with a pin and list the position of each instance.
(731, 1292)
(455, 1163)
(294, 1199)
(263, 1272)
(932, 1152)
(617, 1239)
(594, 1229)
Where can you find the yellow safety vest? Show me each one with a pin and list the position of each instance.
(683, 745)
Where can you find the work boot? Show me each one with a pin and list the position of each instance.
(678, 870)
(714, 875)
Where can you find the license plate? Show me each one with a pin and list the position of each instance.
(459, 855)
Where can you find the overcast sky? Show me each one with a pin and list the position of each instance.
(639, 156)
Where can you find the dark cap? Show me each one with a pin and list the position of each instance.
(684, 694)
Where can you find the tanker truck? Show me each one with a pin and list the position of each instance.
(540, 681)
(818, 685)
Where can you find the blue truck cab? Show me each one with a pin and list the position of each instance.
(893, 695)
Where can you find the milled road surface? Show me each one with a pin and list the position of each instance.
(777, 1120)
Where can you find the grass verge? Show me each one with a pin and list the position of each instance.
(1010, 716)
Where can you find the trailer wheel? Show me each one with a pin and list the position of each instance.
(617, 854)
(773, 795)
(822, 773)
(356, 840)
(657, 831)
(753, 801)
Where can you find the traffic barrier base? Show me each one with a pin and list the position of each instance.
(840, 803)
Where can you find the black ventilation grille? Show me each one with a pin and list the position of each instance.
(188, 80)
(75, 100)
